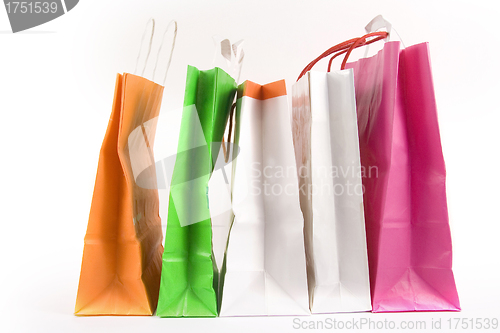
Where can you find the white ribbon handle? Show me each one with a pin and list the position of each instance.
(174, 23)
(151, 22)
(378, 23)
(232, 54)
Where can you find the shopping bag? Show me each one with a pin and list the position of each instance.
(331, 195)
(265, 272)
(189, 275)
(121, 262)
(408, 234)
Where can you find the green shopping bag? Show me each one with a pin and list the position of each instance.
(188, 279)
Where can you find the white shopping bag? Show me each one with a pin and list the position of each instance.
(265, 258)
(326, 144)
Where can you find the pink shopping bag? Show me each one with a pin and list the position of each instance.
(408, 235)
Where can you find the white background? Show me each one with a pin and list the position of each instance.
(57, 82)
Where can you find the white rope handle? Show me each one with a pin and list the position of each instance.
(239, 55)
(377, 23)
(151, 22)
(173, 22)
(231, 55)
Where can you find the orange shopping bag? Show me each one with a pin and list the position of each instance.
(123, 249)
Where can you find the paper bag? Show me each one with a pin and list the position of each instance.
(331, 194)
(188, 279)
(121, 263)
(265, 272)
(408, 235)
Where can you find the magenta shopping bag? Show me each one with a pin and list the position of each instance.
(408, 235)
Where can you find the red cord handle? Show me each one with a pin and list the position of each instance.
(345, 47)
(361, 42)
(342, 46)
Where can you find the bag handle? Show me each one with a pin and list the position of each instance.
(229, 56)
(361, 41)
(331, 50)
(174, 23)
(344, 47)
(151, 22)
(227, 150)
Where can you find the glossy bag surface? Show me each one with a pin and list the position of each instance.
(408, 233)
(265, 270)
(121, 262)
(189, 275)
(331, 194)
